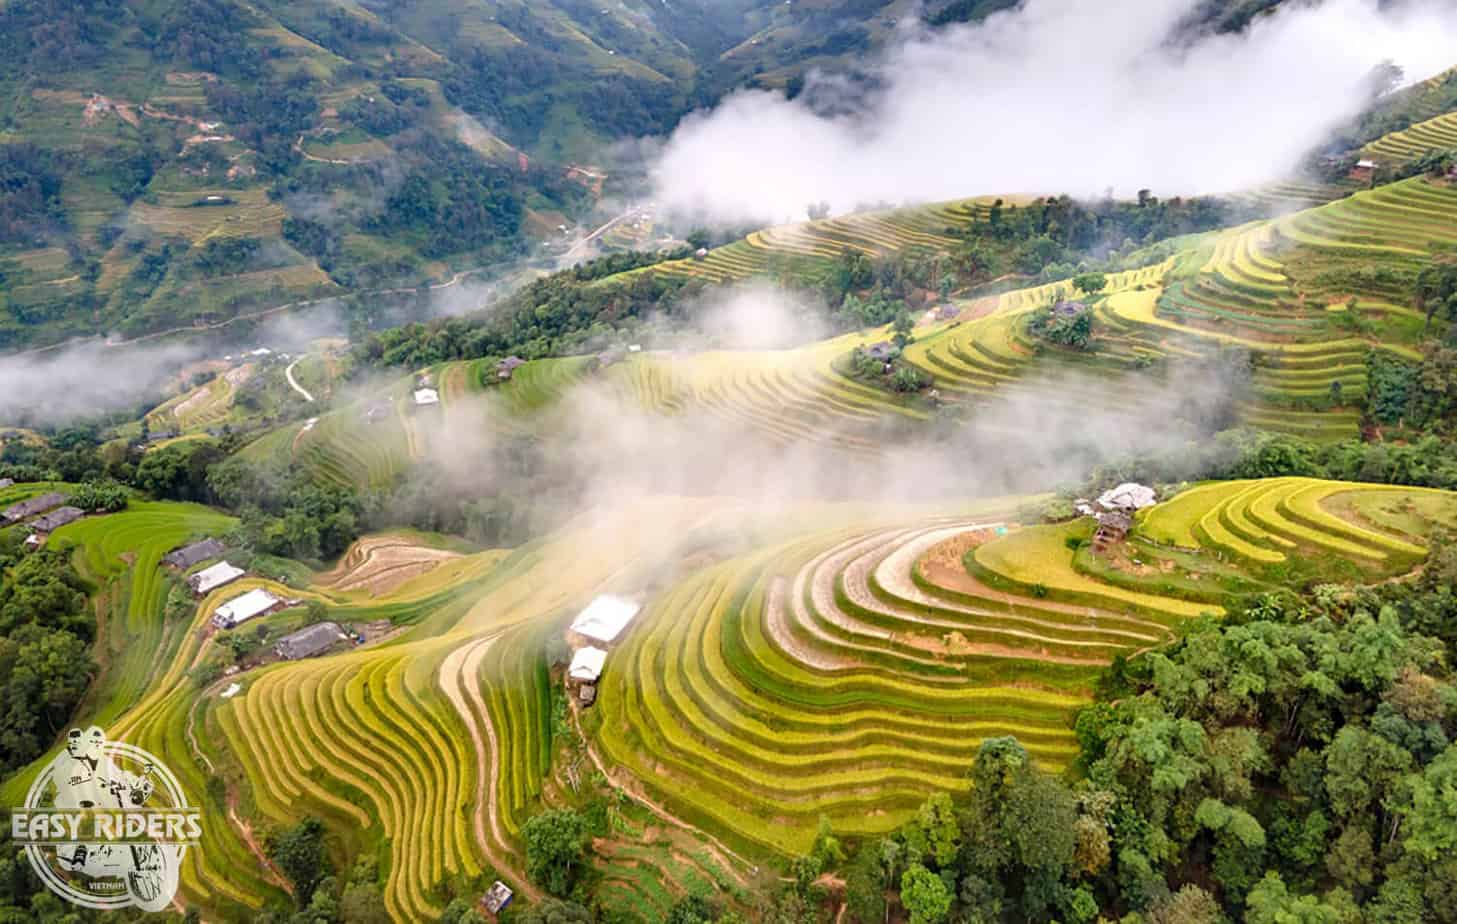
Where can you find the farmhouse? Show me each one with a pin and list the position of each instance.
(208, 580)
(7, 483)
(587, 663)
(1069, 309)
(1112, 529)
(25, 509)
(426, 397)
(309, 641)
(604, 619)
(56, 519)
(1128, 497)
(884, 351)
(584, 672)
(250, 605)
(194, 554)
(948, 312)
(508, 366)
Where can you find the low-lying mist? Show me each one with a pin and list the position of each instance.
(1055, 96)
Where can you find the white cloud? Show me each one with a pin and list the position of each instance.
(1057, 96)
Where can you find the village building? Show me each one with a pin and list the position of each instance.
(584, 672)
(251, 605)
(1112, 529)
(6, 483)
(34, 541)
(603, 620)
(1069, 309)
(884, 351)
(1114, 510)
(700, 254)
(208, 580)
(948, 312)
(426, 397)
(29, 508)
(497, 898)
(56, 519)
(310, 641)
(1128, 497)
(195, 554)
(508, 366)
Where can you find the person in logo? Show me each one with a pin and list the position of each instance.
(85, 777)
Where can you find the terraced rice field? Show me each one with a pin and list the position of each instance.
(850, 672)
(796, 246)
(1436, 134)
(435, 747)
(832, 661)
(1280, 288)
(202, 407)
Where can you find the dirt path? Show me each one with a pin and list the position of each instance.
(293, 382)
(458, 680)
(245, 830)
(725, 855)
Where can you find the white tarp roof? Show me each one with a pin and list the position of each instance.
(605, 618)
(587, 664)
(209, 579)
(233, 690)
(241, 609)
(427, 396)
(1128, 496)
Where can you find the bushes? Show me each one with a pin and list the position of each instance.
(100, 497)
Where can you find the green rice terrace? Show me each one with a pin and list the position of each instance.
(1311, 296)
(829, 662)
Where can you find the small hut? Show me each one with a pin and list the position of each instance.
(1112, 529)
(507, 367)
(497, 898)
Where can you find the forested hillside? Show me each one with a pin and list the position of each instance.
(181, 163)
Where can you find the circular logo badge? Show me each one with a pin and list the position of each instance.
(106, 825)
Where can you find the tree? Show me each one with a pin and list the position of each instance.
(299, 852)
(556, 847)
(462, 911)
(924, 895)
(902, 327)
(1431, 813)
(555, 911)
(1090, 283)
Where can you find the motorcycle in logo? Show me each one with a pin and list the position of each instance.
(106, 825)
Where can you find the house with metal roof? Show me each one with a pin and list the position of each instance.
(29, 508)
(56, 519)
(248, 606)
(604, 618)
(194, 554)
(208, 580)
(309, 641)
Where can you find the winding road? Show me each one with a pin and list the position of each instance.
(293, 382)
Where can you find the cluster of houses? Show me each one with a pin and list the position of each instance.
(42, 515)
(591, 635)
(305, 643)
(1114, 510)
